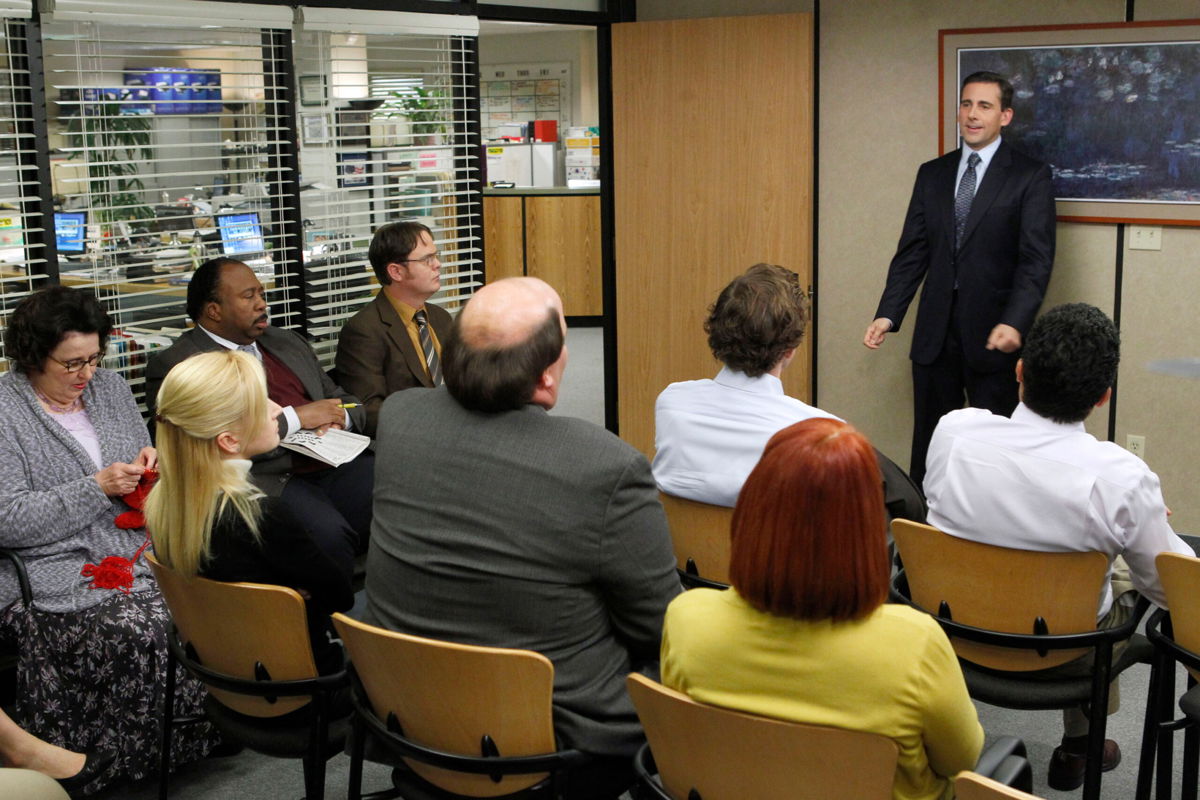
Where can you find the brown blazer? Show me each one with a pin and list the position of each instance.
(376, 357)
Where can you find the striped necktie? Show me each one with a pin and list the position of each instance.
(431, 356)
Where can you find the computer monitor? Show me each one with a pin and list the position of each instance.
(70, 231)
(241, 234)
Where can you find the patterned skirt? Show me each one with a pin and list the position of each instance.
(95, 680)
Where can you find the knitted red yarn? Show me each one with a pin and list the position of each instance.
(115, 572)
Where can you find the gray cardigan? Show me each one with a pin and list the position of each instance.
(51, 508)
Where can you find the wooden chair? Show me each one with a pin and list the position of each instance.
(712, 753)
(249, 644)
(700, 536)
(471, 721)
(1012, 612)
(973, 786)
(1176, 639)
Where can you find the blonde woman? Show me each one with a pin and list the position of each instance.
(205, 516)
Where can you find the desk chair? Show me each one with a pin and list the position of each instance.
(700, 538)
(703, 752)
(1009, 613)
(249, 644)
(471, 721)
(1176, 639)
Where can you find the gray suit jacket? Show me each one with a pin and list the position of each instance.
(271, 470)
(526, 530)
(376, 357)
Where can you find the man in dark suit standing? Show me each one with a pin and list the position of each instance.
(228, 304)
(499, 524)
(980, 233)
(395, 341)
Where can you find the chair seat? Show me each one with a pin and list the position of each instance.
(271, 738)
(1017, 690)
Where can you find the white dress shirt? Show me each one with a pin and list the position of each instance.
(709, 434)
(1034, 484)
(289, 412)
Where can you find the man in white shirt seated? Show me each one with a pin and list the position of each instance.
(709, 434)
(1040, 481)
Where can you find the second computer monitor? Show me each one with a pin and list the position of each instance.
(70, 231)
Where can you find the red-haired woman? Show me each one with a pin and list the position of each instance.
(804, 634)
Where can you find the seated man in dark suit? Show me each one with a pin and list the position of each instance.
(498, 524)
(228, 304)
(395, 341)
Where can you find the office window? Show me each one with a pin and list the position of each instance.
(384, 137)
(22, 258)
(168, 123)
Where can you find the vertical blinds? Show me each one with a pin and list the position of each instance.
(168, 144)
(384, 138)
(22, 256)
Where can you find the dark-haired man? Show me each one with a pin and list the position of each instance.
(1040, 481)
(980, 233)
(228, 304)
(395, 341)
(499, 524)
(710, 434)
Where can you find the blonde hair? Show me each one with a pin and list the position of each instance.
(202, 397)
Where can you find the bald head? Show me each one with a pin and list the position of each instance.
(507, 312)
(506, 347)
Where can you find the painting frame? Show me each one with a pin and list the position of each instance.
(953, 41)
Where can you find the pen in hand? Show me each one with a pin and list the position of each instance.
(347, 405)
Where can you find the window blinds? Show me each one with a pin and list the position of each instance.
(22, 255)
(385, 137)
(171, 145)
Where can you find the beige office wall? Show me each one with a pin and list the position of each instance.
(878, 121)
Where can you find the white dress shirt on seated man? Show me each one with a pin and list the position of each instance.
(709, 434)
(1031, 483)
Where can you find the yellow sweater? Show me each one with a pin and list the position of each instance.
(892, 673)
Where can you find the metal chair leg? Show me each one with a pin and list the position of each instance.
(1097, 721)
(357, 748)
(1165, 760)
(1145, 776)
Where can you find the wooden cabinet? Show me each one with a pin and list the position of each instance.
(554, 237)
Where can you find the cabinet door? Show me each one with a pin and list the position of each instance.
(562, 247)
(503, 238)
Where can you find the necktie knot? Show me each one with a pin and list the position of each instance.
(419, 318)
(973, 160)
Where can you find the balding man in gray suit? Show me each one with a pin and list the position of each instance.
(498, 524)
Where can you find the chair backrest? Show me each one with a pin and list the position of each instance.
(1180, 576)
(447, 696)
(973, 786)
(235, 627)
(29, 785)
(729, 755)
(1002, 589)
(699, 532)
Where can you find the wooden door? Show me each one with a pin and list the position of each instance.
(712, 138)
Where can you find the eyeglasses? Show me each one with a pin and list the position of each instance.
(76, 364)
(426, 260)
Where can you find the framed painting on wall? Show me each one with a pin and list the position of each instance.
(1114, 109)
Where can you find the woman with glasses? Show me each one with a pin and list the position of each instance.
(90, 669)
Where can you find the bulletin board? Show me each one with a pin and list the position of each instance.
(523, 93)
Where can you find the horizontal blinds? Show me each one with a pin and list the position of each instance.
(383, 139)
(166, 145)
(167, 13)
(22, 257)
